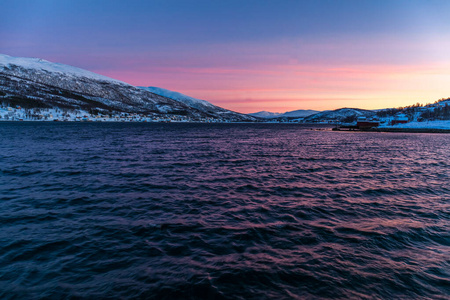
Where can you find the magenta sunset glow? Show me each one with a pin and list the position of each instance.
(248, 56)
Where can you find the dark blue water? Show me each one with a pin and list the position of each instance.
(240, 211)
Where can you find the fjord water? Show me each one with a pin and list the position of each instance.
(222, 211)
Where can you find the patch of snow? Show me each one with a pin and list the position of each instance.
(444, 124)
(164, 108)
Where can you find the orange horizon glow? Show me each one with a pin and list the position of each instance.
(292, 87)
(259, 55)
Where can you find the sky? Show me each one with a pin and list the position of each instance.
(248, 55)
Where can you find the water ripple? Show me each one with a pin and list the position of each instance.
(237, 211)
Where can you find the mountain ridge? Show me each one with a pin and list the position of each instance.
(36, 82)
(201, 105)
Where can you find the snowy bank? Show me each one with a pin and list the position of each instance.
(444, 124)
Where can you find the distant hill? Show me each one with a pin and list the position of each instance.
(290, 114)
(299, 113)
(266, 114)
(339, 115)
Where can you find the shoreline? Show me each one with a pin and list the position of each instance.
(410, 130)
(393, 130)
(399, 130)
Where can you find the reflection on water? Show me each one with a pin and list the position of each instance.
(237, 211)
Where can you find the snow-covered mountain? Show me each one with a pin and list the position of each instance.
(50, 67)
(339, 115)
(33, 82)
(290, 114)
(201, 105)
(299, 113)
(192, 102)
(266, 114)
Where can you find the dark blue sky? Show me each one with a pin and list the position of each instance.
(244, 55)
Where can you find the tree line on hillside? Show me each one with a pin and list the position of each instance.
(435, 111)
(439, 113)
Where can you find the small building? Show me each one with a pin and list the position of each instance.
(399, 119)
(364, 123)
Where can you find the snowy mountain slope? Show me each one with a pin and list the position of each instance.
(12, 63)
(339, 114)
(32, 82)
(299, 113)
(201, 105)
(192, 102)
(266, 114)
(34, 78)
(290, 114)
(61, 85)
